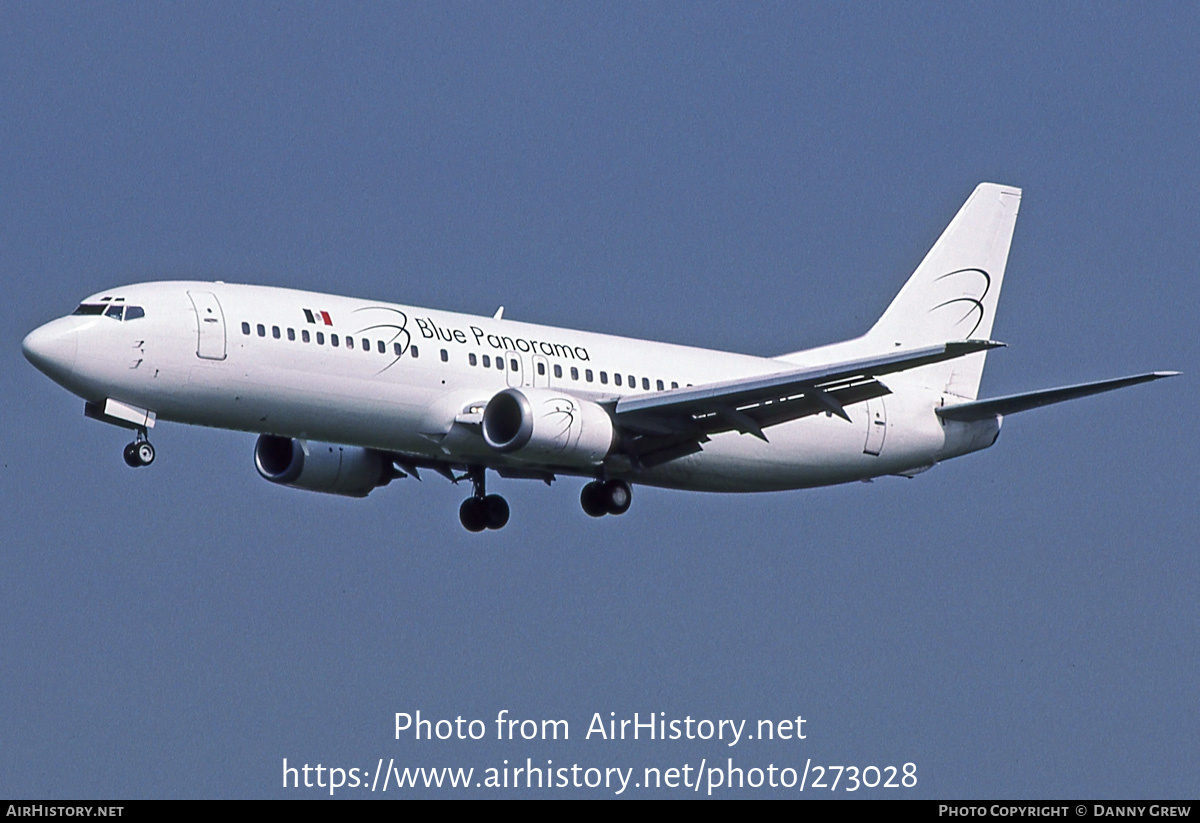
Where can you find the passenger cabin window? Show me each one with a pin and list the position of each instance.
(366, 344)
(262, 330)
(291, 334)
(245, 328)
(445, 356)
(349, 342)
(275, 332)
(587, 375)
(333, 340)
(304, 335)
(616, 378)
(659, 384)
(320, 338)
(557, 370)
(515, 365)
(487, 362)
(414, 351)
(472, 359)
(382, 347)
(541, 368)
(646, 383)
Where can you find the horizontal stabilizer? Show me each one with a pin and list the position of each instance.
(1013, 403)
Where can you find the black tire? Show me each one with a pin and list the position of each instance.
(617, 496)
(593, 500)
(131, 457)
(495, 509)
(473, 515)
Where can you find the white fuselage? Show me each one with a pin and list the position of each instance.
(248, 358)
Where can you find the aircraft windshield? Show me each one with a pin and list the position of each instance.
(117, 311)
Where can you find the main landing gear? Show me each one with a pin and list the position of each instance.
(490, 511)
(139, 453)
(482, 510)
(599, 498)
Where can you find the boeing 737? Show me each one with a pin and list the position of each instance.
(348, 394)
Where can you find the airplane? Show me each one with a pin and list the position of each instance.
(347, 394)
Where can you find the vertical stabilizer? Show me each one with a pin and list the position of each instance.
(954, 292)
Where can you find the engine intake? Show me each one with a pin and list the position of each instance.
(321, 467)
(548, 426)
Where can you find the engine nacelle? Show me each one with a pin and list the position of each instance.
(548, 426)
(321, 467)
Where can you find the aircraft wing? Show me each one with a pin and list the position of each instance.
(675, 422)
(1013, 403)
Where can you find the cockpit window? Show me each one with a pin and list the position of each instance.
(113, 310)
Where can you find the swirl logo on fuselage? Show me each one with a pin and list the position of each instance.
(973, 305)
(398, 325)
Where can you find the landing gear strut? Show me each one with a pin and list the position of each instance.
(139, 453)
(482, 510)
(599, 498)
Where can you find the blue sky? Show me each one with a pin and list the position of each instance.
(1019, 623)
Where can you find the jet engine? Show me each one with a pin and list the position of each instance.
(547, 426)
(321, 467)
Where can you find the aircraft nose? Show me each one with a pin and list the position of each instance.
(52, 348)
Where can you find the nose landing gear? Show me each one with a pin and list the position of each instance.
(139, 453)
(482, 510)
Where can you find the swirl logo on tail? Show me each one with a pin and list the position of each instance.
(973, 305)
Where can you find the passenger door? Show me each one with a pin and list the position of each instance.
(210, 324)
(876, 426)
